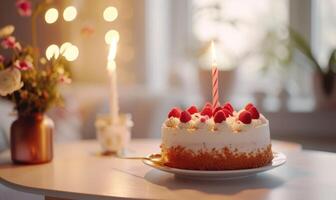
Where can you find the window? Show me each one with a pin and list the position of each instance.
(324, 29)
(252, 37)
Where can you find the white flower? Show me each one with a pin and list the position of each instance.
(6, 31)
(10, 81)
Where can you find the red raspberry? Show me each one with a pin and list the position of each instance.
(227, 112)
(217, 109)
(203, 119)
(175, 112)
(245, 117)
(254, 112)
(228, 106)
(248, 106)
(192, 109)
(208, 104)
(207, 111)
(185, 117)
(219, 117)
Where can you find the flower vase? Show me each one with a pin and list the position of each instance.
(32, 139)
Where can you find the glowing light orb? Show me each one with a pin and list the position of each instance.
(52, 51)
(51, 15)
(71, 53)
(110, 14)
(64, 47)
(69, 13)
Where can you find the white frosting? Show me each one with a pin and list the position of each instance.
(188, 125)
(248, 138)
(172, 122)
(195, 116)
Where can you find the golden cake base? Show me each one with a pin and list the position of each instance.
(215, 159)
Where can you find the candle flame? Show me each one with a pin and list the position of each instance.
(213, 54)
(111, 65)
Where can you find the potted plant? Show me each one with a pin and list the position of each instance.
(324, 77)
(31, 82)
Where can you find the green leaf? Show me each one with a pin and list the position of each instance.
(332, 62)
(304, 47)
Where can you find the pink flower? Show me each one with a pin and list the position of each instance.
(24, 7)
(2, 58)
(23, 65)
(10, 42)
(65, 79)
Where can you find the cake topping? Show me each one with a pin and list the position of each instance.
(248, 106)
(190, 125)
(172, 122)
(227, 112)
(228, 106)
(192, 110)
(208, 104)
(216, 110)
(175, 112)
(185, 117)
(207, 111)
(245, 117)
(203, 119)
(219, 117)
(195, 116)
(254, 112)
(215, 119)
(201, 123)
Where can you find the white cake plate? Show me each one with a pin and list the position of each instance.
(278, 160)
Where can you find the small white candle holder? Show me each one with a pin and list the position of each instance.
(113, 138)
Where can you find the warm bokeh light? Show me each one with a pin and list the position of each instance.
(110, 14)
(110, 35)
(69, 13)
(64, 47)
(71, 53)
(51, 15)
(52, 51)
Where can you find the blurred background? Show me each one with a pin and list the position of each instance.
(163, 61)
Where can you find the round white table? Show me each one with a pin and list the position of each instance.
(79, 172)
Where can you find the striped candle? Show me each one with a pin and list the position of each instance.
(214, 73)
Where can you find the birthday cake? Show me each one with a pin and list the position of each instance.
(217, 138)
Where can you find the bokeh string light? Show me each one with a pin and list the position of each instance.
(110, 14)
(51, 15)
(52, 51)
(69, 13)
(68, 50)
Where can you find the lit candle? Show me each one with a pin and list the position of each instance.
(112, 67)
(214, 70)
